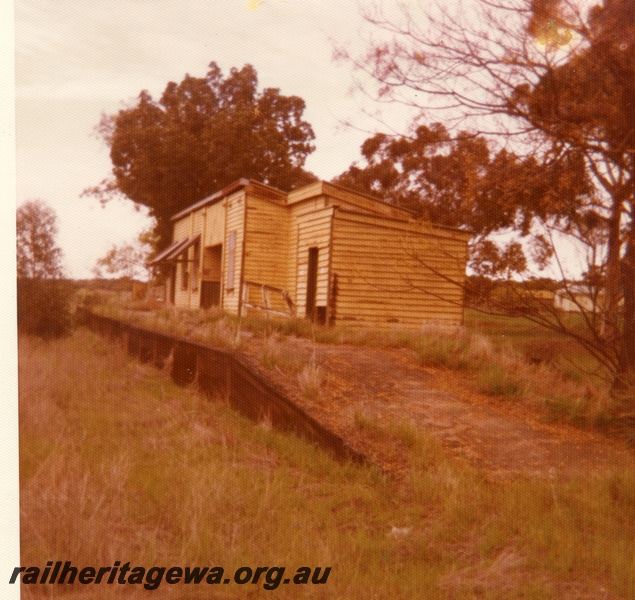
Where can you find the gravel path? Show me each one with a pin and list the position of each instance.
(502, 436)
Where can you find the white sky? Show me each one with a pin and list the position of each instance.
(77, 59)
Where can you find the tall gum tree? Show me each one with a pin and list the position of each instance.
(553, 80)
(458, 181)
(201, 135)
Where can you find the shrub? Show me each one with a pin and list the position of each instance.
(44, 307)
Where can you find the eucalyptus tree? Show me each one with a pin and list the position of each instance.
(199, 136)
(553, 82)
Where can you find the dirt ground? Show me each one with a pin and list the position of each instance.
(388, 385)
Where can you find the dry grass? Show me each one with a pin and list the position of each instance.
(119, 464)
(275, 355)
(310, 380)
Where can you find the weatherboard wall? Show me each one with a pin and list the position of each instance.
(266, 242)
(367, 261)
(313, 230)
(327, 194)
(214, 224)
(388, 273)
(233, 251)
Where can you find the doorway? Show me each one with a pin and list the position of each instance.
(211, 280)
(311, 283)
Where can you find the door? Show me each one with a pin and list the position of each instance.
(172, 283)
(211, 284)
(311, 284)
(210, 294)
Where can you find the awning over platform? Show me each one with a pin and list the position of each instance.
(174, 250)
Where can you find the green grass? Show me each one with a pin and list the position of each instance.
(117, 463)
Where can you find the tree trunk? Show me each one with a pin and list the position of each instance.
(624, 386)
(609, 331)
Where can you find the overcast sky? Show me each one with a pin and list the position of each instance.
(77, 59)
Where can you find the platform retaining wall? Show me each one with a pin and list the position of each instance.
(219, 373)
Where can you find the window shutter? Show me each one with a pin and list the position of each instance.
(231, 261)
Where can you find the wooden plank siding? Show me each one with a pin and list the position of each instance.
(297, 213)
(208, 222)
(266, 243)
(312, 230)
(214, 224)
(234, 229)
(390, 272)
(328, 194)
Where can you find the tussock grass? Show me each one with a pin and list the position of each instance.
(119, 464)
(496, 380)
(275, 355)
(310, 380)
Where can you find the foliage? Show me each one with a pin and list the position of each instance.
(200, 136)
(457, 180)
(45, 307)
(585, 105)
(44, 299)
(555, 83)
(127, 260)
(489, 260)
(460, 182)
(430, 173)
(38, 257)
